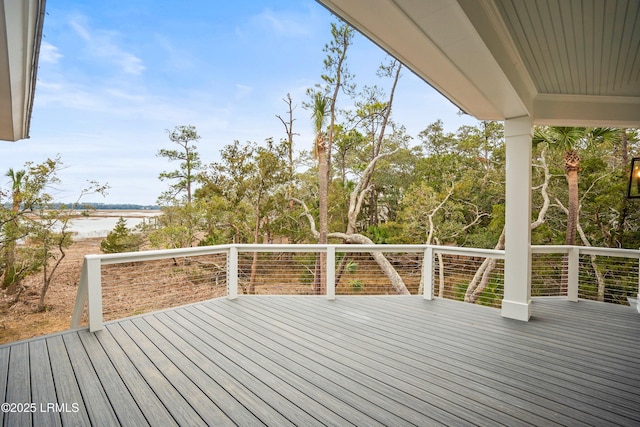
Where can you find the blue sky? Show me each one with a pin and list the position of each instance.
(115, 75)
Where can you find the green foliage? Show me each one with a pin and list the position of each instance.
(183, 178)
(356, 285)
(40, 225)
(121, 239)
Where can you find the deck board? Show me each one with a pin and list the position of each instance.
(500, 355)
(94, 395)
(415, 375)
(125, 407)
(179, 407)
(154, 410)
(403, 390)
(67, 388)
(4, 372)
(42, 385)
(327, 380)
(18, 385)
(353, 361)
(302, 409)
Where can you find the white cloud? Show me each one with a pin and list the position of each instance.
(243, 90)
(102, 44)
(280, 23)
(49, 53)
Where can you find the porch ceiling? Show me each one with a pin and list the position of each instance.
(561, 62)
(20, 34)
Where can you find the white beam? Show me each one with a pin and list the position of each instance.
(20, 35)
(517, 265)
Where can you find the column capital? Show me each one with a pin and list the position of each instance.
(518, 126)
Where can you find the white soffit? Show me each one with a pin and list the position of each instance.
(562, 62)
(20, 36)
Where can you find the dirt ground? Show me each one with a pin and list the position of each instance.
(20, 320)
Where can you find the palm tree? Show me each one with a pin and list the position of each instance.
(319, 116)
(11, 228)
(571, 140)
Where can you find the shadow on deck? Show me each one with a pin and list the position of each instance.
(356, 360)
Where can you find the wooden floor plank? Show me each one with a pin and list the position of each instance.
(174, 402)
(208, 362)
(18, 387)
(47, 411)
(154, 410)
(405, 393)
(538, 398)
(310, 385)
(416, 389)
(197, 399)
(95, 398)
(585, 386)
(501, 354)
(4, 372)
(225, 405)
(298, 408)
(305, 364)
(259, 393)
(421, 368)
(286, 360)
(124, 406)
(67, 389)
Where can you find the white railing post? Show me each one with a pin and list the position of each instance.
(94, 292)
(427, 273)
(331, 272)
(81, 297)
(573, 261)
(232, 273)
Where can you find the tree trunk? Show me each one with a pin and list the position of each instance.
(481, 278)
(323, 178)
(396, 281)
(572, 166)
(10, 281)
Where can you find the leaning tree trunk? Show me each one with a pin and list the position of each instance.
(572, 166)
(396, 281)
(481, 278)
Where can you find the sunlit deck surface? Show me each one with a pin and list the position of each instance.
(356, 360)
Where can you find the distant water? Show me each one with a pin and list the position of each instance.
(100, 223)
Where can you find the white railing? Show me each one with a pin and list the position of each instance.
(604, 274)
(447, 272)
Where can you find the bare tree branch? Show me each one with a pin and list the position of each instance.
(307, 213)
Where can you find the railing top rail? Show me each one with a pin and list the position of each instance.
(474, 252)
(550, 249)
(159, 254)
(450, 250)
(151, 255)
(614, 252)
(277, 247)
(586, 250)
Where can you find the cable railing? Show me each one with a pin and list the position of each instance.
(115, 286)
(579, 272)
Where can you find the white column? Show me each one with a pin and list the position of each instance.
(517, 265)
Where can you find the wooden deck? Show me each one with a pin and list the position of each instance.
(356, 360)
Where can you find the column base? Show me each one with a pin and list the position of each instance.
(516, 310)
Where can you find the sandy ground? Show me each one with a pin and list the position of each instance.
(20, 320)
